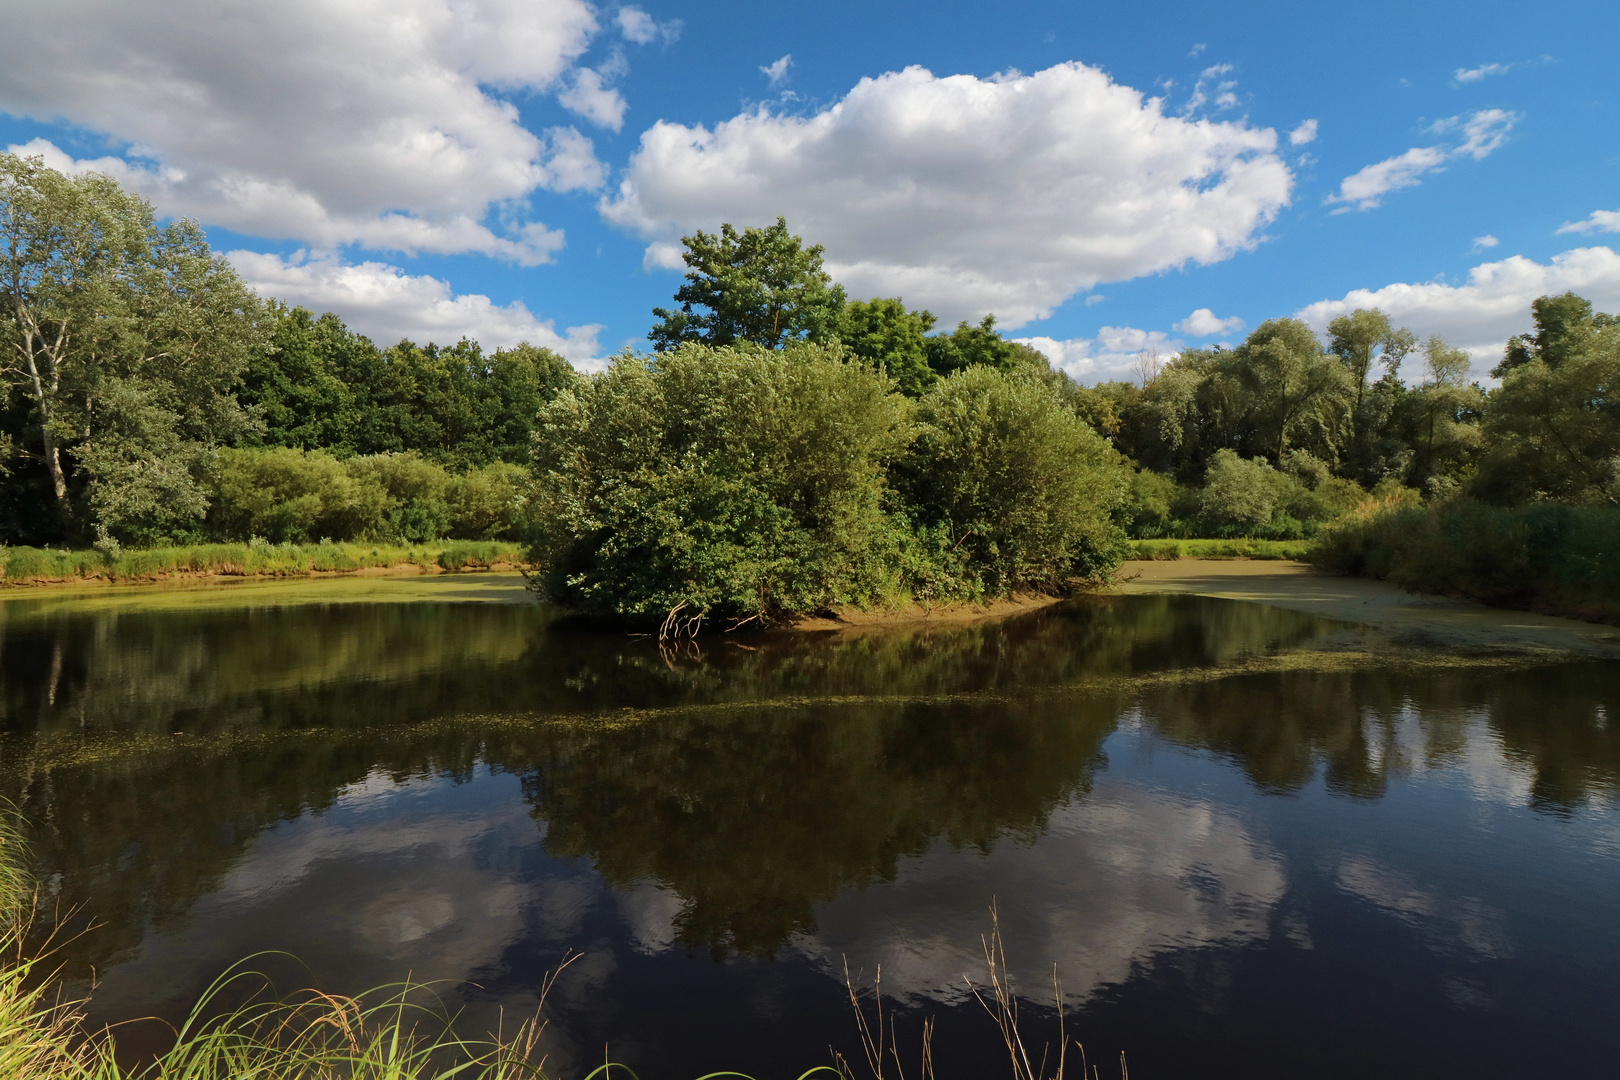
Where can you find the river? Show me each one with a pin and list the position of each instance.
(1250, 847)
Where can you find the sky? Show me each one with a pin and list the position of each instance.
(1105, 178)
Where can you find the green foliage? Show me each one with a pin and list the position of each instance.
(1553, 429)
(294, 496)
(1016, 479)
(324, 387)
(1544, 556)
(719, 483)
(122, 342)
(972, 346)
(760, 286)
(1239, 493)
(883, 332)
(22, 565)
(1564, 325)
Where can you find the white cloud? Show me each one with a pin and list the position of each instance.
(1198, 48)
(327, 121)
(1599, 221)
(1112, 355)
(776, 71)
(1223, 89)
(1483, 132)
(591, 97)
(641, 28)
(1204, 323)
(387, 304)
(967, 195)
(1306, 132)
(1494, 303)
(1468, 75)
(1486, 241)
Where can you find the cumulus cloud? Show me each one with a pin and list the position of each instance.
(1598, 221)
(590, 96)
(387, 304)
(776, 71)
(1116, 353)
(1486, 241)
(326, 121)
(966, 195)
(1306, 132)
(1492, 305)
(1482, 133)
(1204, 323)
(641, 28)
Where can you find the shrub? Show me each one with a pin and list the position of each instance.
(1241, 494)
(487, 503)
(415, 488)
(291, 496)
(1542, 555)
(716, 482)
(1020, 482)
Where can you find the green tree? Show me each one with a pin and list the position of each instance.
(1446, 409)
(760, 285)
(1553, 429)
(884, 332)
(1564, 326)
(972, 346)
(125, 340)
(1017, 480)
(718, 483)
(1292, 386)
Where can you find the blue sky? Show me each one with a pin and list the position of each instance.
(1104, 177)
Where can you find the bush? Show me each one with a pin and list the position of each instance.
(415, 488)
(717, 483)
(292, 496)
(1241, 494)
(1543, 555)
(1019, 482)
(487, 503)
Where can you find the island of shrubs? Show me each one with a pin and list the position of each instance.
(782, 449)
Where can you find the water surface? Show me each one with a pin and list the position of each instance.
(1248, 851)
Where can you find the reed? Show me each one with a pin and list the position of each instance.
(1162, 550)
(26, 565)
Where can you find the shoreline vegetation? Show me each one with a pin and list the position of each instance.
(782, 452)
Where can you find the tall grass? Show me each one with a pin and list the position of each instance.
(1541, 556)
(24, 565)
(1161, 550)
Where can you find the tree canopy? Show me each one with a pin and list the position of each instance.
(759, 285)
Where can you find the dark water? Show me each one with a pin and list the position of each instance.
(1306, 869)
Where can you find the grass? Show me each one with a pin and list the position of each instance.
(1162, 550)
(27, 565)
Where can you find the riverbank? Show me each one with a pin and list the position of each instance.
(37, 567)
(1399, 617)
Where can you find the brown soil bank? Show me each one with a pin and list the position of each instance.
(908, 614)
(1406, 618)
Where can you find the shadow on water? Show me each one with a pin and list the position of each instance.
(745, 785)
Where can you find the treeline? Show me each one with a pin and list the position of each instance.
(782, 449)
(151, 398)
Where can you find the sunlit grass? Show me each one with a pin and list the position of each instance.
(1219, 549)
(23, 565)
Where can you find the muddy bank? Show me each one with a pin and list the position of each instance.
(911, 614)
(1398, 617)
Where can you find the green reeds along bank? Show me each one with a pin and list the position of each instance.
(1160, 550)
(1548, 557)
(23, 565)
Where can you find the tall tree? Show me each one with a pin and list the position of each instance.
(1291, 383)
(759, 285)
(125, 339)
(1564, 326)
(882, 330)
